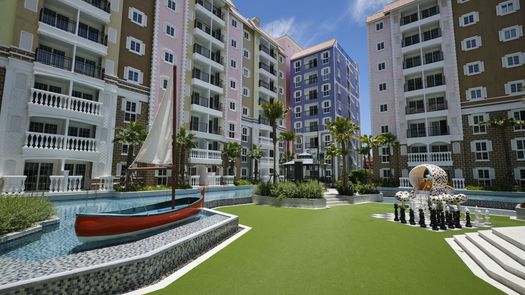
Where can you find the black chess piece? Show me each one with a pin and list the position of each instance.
(433, 219)
(442, 220)
(412, 219)
(457, 214)
(467, 219)
(422, 218)
(450, 219)
(396, 217)
(403, 216)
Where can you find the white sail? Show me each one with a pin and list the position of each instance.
(156, 149)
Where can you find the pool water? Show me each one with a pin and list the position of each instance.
(63, 240)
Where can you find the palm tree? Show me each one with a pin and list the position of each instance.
(232, 151)
(342, 130)
(255, 153)
(286, 137)
(186, 142)
(501, 124)
(132, 135)
(369, 143)
(274, 112)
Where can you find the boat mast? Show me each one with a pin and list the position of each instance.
(174, 137)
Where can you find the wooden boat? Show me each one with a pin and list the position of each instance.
(93, 227)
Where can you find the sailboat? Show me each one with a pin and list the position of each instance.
(157, 149)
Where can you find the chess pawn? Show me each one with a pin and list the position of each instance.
(467, 218)
(457, 215)
(442, 220)
(477, 214)
(403, 216)
(396, 217)
(412, 217)
(433, 219)
(487, 218)
(422, 218)
(450, 215)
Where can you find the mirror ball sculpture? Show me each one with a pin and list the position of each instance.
(431, 197)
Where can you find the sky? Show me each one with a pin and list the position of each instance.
(310, 22)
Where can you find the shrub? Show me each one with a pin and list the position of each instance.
(310, 190)
(347, 190)
(18, 213)
(263, 189)
(366, 189)
(242, 182)
(492, 188)
(389, 182)
(360, 176)
(283, 190)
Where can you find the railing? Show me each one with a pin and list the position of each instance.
(61, 101)
(217, 34)
(205, 154)
(437, 106)
(267, 50)
(310, 65)
(416, 132)
(228, 180)
(60, 142)
(412, 62)
(312, 128)
(434, 80)
(106, 183)
(458, 183)
(431, 11)
(194, 180)
(53, 59)
(311, 96)
(311, 81)
(312, 113)
(56, 20)
(414, 84)
(267, 68)
(101, 4)
(13, 184)
(431, 34)
(438, 131)
(265, 140)
(267, 85)
(197, 48)
(266, 160)
(432, 157)
(212, 103)
(92, 34)
(405, 20)
(203, 76)
(214, 180)
(414, 110)
(404, 182)
(65, 183)
(216, 11)
(264, 121)
(89, 69)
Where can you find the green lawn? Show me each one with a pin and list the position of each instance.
(341, 250)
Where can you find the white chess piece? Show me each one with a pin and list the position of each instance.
(477, 212)
(487, 218)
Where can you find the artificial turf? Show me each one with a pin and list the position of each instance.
(341, 250)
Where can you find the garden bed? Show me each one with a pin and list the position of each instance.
(364, 198)
(290, 202)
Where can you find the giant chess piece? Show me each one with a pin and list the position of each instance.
(467, 218)
(434, 219)
(477, 216)
(442, 220)
(457, 219)
(396, 217)
(487, 218)
(403, 217)
(412, 217)
(450, 218)
(422, 218)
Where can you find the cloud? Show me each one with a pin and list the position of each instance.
(305, 33)
(285, 26)
(360, 9)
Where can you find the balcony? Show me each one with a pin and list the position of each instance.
(268, 86)
(310, 65)
(269, 69)
(265, 141)
(311, 96)
(438, 131)
(440, 158)
(435, 107)
(416, 132)
(43, 145)
(410, 110)
(264, 121)
(216, 35)
(100, 4)
(311, 81)
(208, 55)
(205, 128)
(204, 80)
(205, 105)
(416, 41)
(202, 156)
(270, 53)
(415, 19)
(431, 81)
(209, 7)
(61, 102)
(65, 63)
(311, 128)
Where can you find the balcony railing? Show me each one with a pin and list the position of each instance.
(409, 110)
(65, 102)
(416, 132)
(267, 85)
(265, 140)
(405, 20)
(216, 11)
(100, 4)
(267, 50)
(89, 69)
(205, 128)
(311, 81)
(212, 102)
(205, 154)
(434, 107)
(311, 96)
(60, 142)
(61, 22)
(313, 112)
(432, 157)
(311, 128)
(197, 48)
(267, 68)
(310, 65)
(53, 59)
(431, 81)
(438, 131)
(217, 34)
(203, 76)
(264, 121)
(425, 36)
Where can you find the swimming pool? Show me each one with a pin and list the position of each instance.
(63, 240)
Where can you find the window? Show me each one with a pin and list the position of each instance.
(233, 64)
(297, 66)
(244, 134)
(325, 57)
(246, 72)
(383, 108)
(164, 83)
(380, 46)
(518, 145)
(234, 43)
(231, 132)
(244, 153)
(325, 72)
(131, 111)
(384, 129)
(168, 57)
(232, 106)
(477, 123)
(281, 90)
(476, 93)
(381, 66)
(385, 154)
(124, 150)
(481, 149)
(246, 35)
(326, 120)
(382, 86)
(297, 112)
(246, 53)
(483, 175)
(170, 31)
(510, 33)
(471, 43)
(519, 116)
(468, 19)
(326, 89)
(513, 60)
(137, 17)
(379, 26)
(161, 177)
(234, 22)
(245, 91)
(385, 173)
(507, 7)
(281, 75)
(233, 85)
(514, 87)
(172, 5)
(135, 45)
(474, 68)
(326, 106)
(297, 95)
(245, 111)
(133, 75)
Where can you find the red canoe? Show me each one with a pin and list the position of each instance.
(91, 227)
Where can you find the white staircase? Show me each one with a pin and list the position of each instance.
(499, 253)
(332, 199)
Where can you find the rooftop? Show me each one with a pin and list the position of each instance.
(322, 46)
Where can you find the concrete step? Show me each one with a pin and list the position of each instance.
(505, 261)
(503, 245)
(491, 267)
(514, 235)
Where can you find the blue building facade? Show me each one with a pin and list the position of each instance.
(325, 85)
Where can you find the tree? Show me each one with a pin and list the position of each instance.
(232, 151)
(342, 130)
(255, 153)
(133, 135)
(368, 144)
(274, 112)
(286, 137)
(186, 142)
(501, 124)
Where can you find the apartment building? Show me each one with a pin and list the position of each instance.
(324, 85)
(57, 107)
(438, 70)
